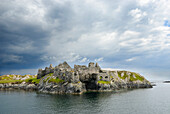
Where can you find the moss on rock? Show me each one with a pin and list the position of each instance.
(103, 82)
(56, 80)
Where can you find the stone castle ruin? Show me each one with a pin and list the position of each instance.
(64, 79)
(83, 78)
(80, 73)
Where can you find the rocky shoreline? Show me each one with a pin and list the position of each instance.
(63, 79)
(166, 81)
(51, 88)
(9, 86)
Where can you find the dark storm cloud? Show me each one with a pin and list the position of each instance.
(131, 34)
(21, 42)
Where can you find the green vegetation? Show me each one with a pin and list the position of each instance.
(11, 81)
(111, 77)
(57, 80)
(103, 82)
(46, 79)
(32, 80)
(133, 76)
(124, 76)
(141, 78)
(51, 79)
(36, 81)
(50, 74)
(119, 74)
(72, 71)
(5, 78)
(137, 77)
(17, 79)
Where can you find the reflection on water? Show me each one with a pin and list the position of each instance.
(140, 101)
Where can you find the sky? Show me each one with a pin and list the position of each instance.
(130, 35)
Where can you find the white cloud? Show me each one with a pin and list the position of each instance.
(25, 12)
(87, 45)
(84, 60)
(131, 59)
(69, 57)
(106, 35)
(137, 14)
(99, 59)
(144, 2)
(130, 34)
(111, 69)
(78, 31)
(97, 44)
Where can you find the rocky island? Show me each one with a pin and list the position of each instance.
(64, 79)
(166, 81)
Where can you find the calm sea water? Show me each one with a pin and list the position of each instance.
(140, 101)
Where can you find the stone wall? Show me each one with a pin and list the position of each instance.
(44, 72)
(91, 77)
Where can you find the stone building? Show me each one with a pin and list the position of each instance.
(90, 74)
(46, 71)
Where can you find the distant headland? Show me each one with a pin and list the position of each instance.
(64, 79)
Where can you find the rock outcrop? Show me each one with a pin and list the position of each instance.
(64, 79)
(22, 86)
(44, 72)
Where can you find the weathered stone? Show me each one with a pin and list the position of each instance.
(64, 79)
(64, 66)
(44, 72)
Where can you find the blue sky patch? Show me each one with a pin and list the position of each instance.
(166, 23)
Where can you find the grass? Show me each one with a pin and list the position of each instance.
(72, 71)
(5, 78)
(32, 80)
(10, 81)
(54, 80)
(103, 82)
(137, 76)
(132, 78)
(124, 76)
(141, 78)
(36, 81)
(50, 74)
(57, 80)
(45, 80)
(111, 77)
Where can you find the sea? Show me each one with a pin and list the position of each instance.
(154, 100)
